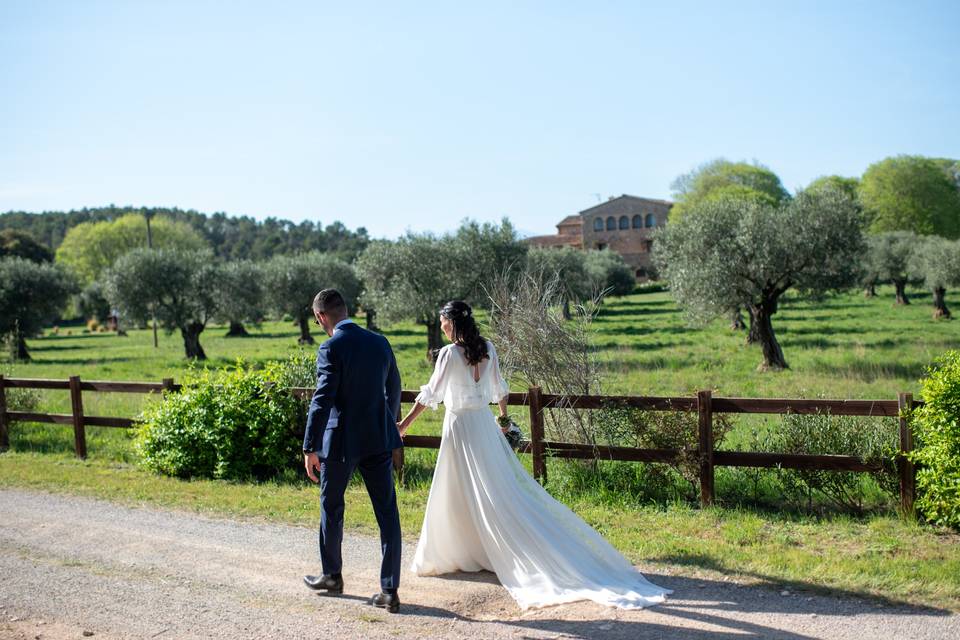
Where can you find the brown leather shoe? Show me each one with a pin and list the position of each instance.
(324, 583)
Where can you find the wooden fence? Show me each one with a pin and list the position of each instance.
(704, 404)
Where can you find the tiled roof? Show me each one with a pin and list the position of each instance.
(574, 219)
(554, 241)
(596, 206)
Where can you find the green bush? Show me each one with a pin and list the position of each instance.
(936, 428)
(236, 424)
(873, 440)
(624, 426)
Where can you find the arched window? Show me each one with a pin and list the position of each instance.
(598, 224)
(624, 222)
(651, 221)
(638, 222)
(611, 223)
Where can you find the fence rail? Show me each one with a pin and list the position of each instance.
(704, 404)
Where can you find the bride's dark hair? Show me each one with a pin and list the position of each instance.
(465, 331)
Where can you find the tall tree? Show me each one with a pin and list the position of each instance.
(732, 252)
(31, 294)
(721, 178)
(180, 286)
(20, 244)
(92, 247)
(292, 282)
(910, 193)
(889, 258)
(937, 261)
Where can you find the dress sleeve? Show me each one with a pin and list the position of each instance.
(498, 386)
(431, 394)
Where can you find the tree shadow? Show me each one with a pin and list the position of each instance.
(91, 360)
(695, 602)
(868, 372)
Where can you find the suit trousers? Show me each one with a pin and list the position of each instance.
(377, 473)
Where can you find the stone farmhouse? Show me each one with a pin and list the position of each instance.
(623, 224)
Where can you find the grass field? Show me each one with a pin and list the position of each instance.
(845, 346)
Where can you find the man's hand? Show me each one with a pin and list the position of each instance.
(311, 462)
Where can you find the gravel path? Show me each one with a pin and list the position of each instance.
(73, 566)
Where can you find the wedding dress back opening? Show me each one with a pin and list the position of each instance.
(486, 512)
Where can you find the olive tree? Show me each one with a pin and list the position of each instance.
(179, 286)
(731, 252)
(609, 272)
(413, 277)
(937, 262)
(566, 265)
(888, 258)
(291, 282)
(241, 295)
(31, 294)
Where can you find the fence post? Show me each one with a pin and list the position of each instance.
(76, 403)
(4, 429)
(705, 442)
(908, 473)
(167, 384)
(536, 434)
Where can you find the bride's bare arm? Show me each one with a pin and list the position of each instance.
(404, 424)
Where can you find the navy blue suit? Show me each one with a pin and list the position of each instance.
(352, 424)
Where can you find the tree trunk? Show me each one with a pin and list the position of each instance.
(762, 315)
(18, 347)
(901, 286)
(434, 340)
(753, 336)
(566, 310)
(371, 319)
(940, 309)
(870, 290)
(191, 341)
(736, 320)
(305, 337)
(237, 330)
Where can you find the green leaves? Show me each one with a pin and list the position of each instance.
(234, 424)
(936, 428)
(911, 193)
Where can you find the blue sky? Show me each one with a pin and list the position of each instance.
(413, 117)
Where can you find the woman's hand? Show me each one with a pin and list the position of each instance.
(402, 428)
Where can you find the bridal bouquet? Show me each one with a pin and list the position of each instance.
(513, 434)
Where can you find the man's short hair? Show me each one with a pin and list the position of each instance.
(330, 302)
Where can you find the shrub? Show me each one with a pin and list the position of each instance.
(237, 424)
(872, 440)
(629, 427)
(936, 428)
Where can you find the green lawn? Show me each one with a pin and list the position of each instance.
(845, 346)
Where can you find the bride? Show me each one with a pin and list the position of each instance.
(484, 509)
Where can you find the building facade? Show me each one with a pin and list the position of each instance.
(624, 224)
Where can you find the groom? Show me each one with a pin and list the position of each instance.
(352, 424)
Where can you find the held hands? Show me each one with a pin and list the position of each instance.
(504, 421)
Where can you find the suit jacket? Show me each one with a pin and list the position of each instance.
(353, 413)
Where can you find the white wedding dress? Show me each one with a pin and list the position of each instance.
(486, 512)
